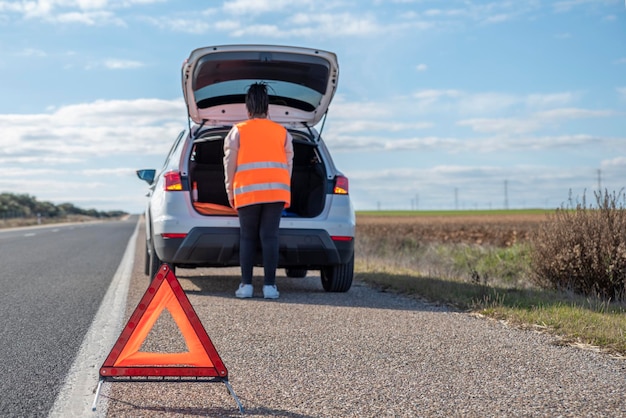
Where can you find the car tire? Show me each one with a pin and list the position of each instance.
(155, 263)
(297, 273)
(338, 278)
(146, 267)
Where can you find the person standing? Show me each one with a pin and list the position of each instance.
(258, 161)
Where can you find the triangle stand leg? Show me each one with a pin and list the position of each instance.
(234, 395)
(95, 400)
(230, 389)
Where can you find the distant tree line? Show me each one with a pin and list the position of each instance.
(26, 206)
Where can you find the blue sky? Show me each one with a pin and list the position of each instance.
(457, 104)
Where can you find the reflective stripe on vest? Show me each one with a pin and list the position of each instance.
(262, 173)
(260, 186)
(265, 164)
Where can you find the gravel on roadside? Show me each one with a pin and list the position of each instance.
(364, 353)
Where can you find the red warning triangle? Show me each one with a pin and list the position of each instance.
(202, 359)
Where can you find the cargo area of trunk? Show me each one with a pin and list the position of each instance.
(308, 180)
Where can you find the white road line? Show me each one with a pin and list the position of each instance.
(77, 394)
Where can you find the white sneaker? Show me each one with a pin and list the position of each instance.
(244, 291)
(270, 292)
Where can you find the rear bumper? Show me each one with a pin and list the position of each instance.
(219, 247)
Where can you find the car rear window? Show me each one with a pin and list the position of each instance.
(294, 80)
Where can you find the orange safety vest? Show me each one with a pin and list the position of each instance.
(262, 174)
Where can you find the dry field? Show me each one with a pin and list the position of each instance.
(501, 230)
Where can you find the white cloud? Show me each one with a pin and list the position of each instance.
(341, 109)
(534, 101)
(240, 7)
(185, 25)
(227, 25)
(421, 67)
(318, 19)
(540, 143)
(498, 18)
(91, 4)
(493, 103)
(363, 125)
(486, 103)
(509, 126)
(431, 97)
(87, 153)
(114, 127)
(531, 123)
(32, 52)
(108, 172)
(299, 25)
(87, 12)
(567, 5)
(259, 30)
(424, 143)
(89, 18)
(573, 113)
(117, 64)
(452, 100)
(508, 142)
(617, 163)
(496, 113)
(338, 24)
(335, 19)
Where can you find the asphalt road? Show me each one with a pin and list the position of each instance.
(52, 280)
(364, 353)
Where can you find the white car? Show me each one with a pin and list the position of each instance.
(189, 222)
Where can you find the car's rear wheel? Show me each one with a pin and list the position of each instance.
(295, 272)
(155, 262)
(338, 278)
(146, 267)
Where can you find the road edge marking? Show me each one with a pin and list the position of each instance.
(76, 395)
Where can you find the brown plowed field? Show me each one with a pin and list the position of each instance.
(481, 229)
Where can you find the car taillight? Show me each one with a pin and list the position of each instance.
(173, 235)
(172, 181)
(341, 238)
(341, 185)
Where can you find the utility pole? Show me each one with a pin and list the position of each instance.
(506, 194)
(600, 180)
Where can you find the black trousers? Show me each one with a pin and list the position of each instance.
(259, 224)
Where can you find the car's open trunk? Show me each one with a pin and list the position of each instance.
(206, 170)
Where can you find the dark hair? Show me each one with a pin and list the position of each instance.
(257, 101)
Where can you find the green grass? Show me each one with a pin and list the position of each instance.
(454, 212)
(574, 319)
(577, 321)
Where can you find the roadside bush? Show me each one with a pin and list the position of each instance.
(583, 249)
